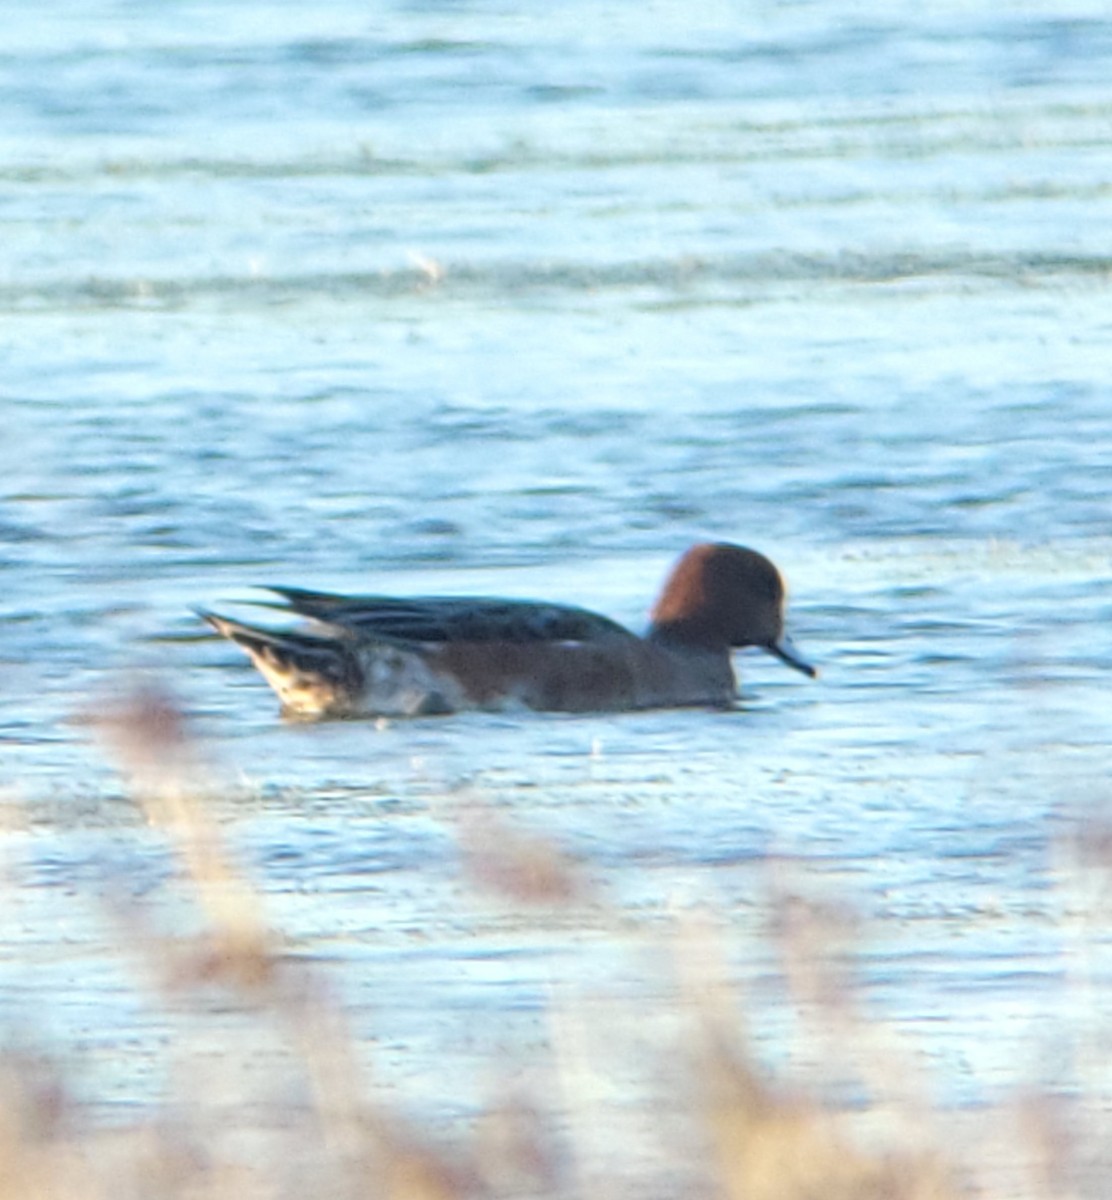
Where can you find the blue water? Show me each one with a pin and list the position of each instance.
(496, 298)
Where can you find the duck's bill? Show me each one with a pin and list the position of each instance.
(786, 652)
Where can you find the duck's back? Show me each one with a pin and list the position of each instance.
(431, 619)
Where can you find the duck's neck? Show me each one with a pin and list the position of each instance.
(688, 635)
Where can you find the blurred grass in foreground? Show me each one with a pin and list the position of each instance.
(744, 1136)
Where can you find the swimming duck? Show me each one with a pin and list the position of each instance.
(386, 656)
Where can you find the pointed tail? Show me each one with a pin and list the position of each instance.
(314, 676)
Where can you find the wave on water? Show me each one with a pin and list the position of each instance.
(685, 274)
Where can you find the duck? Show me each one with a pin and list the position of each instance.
(385, 656)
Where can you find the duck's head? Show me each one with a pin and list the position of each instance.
(720, 595)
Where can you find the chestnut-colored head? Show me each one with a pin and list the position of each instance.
(720, 595)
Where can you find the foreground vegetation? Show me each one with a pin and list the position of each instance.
(327, 1133)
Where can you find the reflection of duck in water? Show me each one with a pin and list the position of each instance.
(377, 655)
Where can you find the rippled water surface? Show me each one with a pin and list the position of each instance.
(511, 299)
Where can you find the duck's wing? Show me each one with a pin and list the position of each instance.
(452, 618)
